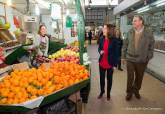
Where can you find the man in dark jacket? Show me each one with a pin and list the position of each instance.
(90, 36)
(120, 44)
(137, 51)
(100, 34)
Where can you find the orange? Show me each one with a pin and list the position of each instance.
(21, 86)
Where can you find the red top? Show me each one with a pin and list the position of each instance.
(104, 61)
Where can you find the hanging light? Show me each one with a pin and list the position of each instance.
(67, 12)
(109, 7)
(44, 3)
(74, 3)
(54, 24)
(90, 1)
(143, 9)
(89, 7)
(66, 1)
(75, 17)
(160, 4)
(55, 11)
(113, 2)
(9, 2)
(37, 9)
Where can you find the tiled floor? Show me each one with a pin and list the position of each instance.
(153, 93)
(156, 65)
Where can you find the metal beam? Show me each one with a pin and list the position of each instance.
(27, 6)
(124, 5)
(12, 7)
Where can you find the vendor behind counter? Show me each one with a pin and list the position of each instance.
(42, 41)
(41, 44)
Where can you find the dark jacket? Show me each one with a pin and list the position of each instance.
(90, 35)
(120, 44)
(112, 51)
(145, 47)
(100, 34)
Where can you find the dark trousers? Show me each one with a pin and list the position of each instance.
(109, 73)
(119, 64)
(135, 73)
(90, 40)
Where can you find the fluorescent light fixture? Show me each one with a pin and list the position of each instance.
(64, 18)
(96, 2)
(113, 2)
(86, 2)
(141, 11)
(101, 2)
(75, 17)
(54, 24)
(74, 2)
(143, 8)
(109, 7)
(55, 11)
(89, 8)
(161, 4)
(158, 2)
(44, 3)
(66, 1)
(37, 9)
(9, 2)
(67, 12)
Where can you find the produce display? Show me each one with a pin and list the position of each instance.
(1, 23)
(42, 59)
(2, 57)
(4, 25)
(69, 54)
(75, 43)
(24, 85)
(73, 59)
(17, 32)
(63, 53)
(10, 44)
(73, 48)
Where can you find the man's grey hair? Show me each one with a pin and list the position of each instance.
(140, 17)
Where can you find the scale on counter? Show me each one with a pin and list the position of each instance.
(30, 26)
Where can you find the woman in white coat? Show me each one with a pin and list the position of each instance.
(42, 41)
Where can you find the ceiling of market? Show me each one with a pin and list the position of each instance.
(101, 2)
(21, 5)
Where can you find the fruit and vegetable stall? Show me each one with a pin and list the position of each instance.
(58, 75)
(47, 80)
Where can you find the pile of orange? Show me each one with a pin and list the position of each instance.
(21, 86)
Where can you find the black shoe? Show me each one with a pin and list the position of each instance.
(128, 97)
(120, 69)
(108, 97)
(137, 95)
(85, 101)
(100, 96)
